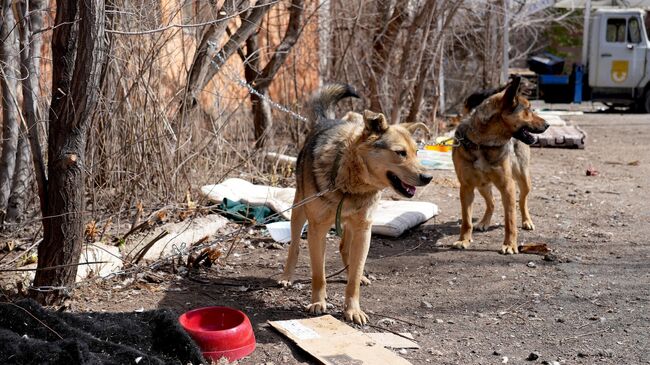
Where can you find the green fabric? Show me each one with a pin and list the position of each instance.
(244, 213)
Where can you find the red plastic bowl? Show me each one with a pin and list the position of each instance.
(220, 332)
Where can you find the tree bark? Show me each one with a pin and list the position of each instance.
(30, 55)
(206, 50)
(384, 39)
(77, 58)
(209, 58)
(8, 58)
(21, 180)
(261, 80)
(418, 93)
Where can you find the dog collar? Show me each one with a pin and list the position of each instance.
(462, 139)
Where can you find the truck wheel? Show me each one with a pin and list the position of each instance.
(645, 102)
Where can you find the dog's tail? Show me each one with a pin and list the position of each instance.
(322, 103)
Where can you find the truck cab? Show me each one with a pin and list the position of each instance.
(619, 58)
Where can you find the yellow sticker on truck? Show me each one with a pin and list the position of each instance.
(619, 70)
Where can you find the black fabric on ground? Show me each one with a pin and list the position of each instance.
(92, 338)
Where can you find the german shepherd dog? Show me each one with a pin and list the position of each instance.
(493, 149)
(341, 170)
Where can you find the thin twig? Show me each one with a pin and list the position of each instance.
(148, 246)
(389, 330)
(55, 267)
(401, 320)
(38, 320)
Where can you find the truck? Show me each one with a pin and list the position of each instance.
(617, 71)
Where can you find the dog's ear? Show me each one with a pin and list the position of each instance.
(375, 122)
(509, 101)
(413, 127)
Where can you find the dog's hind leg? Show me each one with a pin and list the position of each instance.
(316, 241)
(523, 180)
(344, 249)
(466, 200)
(486, 192)
(298, 219)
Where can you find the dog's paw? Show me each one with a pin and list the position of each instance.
(365, 280)
(482, 226)
(509, 250)
(317, 308)
(528, 225)
(461, 245)
(355, 315)
(285, 283)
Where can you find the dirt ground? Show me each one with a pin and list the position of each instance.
(589, 305)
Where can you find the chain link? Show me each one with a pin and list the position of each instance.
(231, 74)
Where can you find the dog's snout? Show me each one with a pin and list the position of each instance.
(425, 179)
(546, 125)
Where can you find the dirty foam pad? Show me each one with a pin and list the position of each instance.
(391, 218)
(153, 337)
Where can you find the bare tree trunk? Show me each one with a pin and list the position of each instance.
(418, 93)
(209, 58)
(261, 79)
(30, 54)
(425, 16)
(383, 42)
(8, 57)
(77, 58)
(21, 180)
(206, 51)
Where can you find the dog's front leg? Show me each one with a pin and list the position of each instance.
(316, 241)
(358, 251)
(508, 191)
(466, 200)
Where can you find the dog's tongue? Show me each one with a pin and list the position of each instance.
(409, 188)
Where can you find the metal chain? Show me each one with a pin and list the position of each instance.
(231, 74)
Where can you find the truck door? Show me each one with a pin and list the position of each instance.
(621, 54)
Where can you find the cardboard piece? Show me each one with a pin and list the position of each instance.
(333, 342)
(393, 341)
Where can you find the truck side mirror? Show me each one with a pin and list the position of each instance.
(630, 46)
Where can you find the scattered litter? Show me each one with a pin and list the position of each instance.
(504, 360)
(534, 248)
(281, 159)
(591, 171)
(531, 264)
(139, 310)
(532, 356)
(425, 304)
(435, 160)
(281, 231)
(631, 163)
(386, 322)
(391, 218)
(550, 257)
(332, 342)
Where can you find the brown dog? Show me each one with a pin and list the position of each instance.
(493, 150)
(343, 167)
